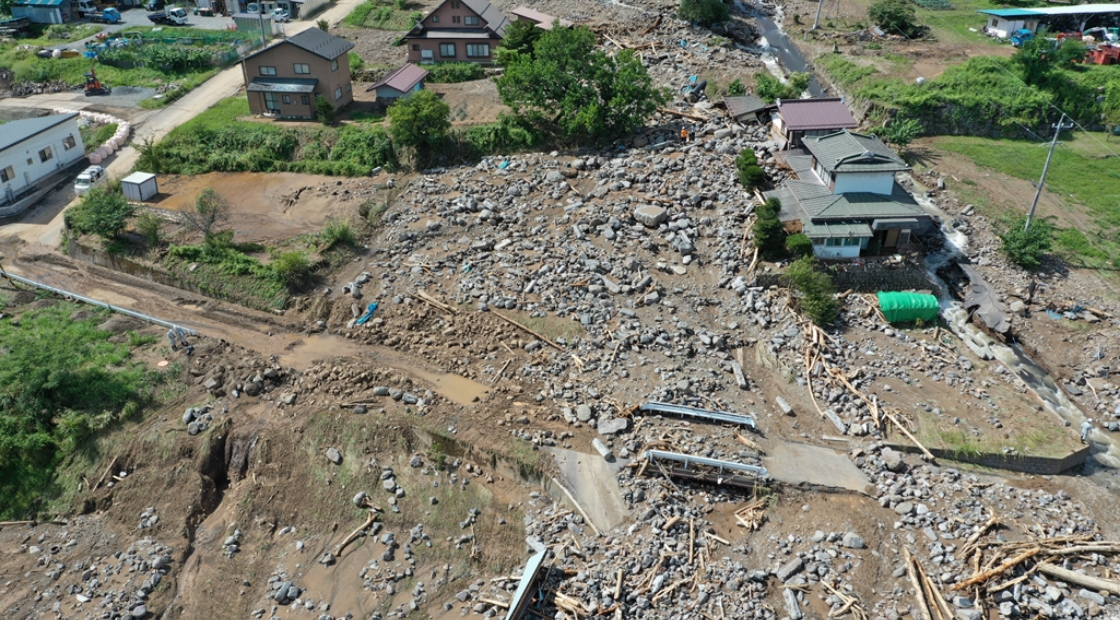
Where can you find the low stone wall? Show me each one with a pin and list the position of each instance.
(122, 264)
(869, 278)
(1021, 463)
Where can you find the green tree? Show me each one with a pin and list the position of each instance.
(1027, 248)
(815, 291)
(703, 12)
(1035, 59)
(323, 25)
(575, 90)
(420, 121)
(148, 225)
(895, 17)
(799, 245)
(1069, 53)
(750, 174)
(901, 131)
(736, 88)
(769, 234)
(102, 212)
(770, 88)
(519, 38)
(324, 110)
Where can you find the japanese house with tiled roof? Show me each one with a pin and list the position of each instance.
(795, 119)
(283, 80)
(845, 197)
(457, 30)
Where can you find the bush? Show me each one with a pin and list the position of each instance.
(750, 174)
(895, 17)
(324, 110)
(419, 121)
(510, 134)
(799, 245)
(769, 234)
(356, 64)
(703, 12)
(454, 72)
(815, 291)
(101, 212)
(1027, 248)
(336, 232)
(736, 88)
(293, 269)
(148, 226)
(770, 88)
(324, 25)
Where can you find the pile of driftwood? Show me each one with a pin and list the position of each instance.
(998, 565)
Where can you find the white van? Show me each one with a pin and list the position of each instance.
(88, 178)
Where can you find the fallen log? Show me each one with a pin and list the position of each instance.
(1080, 579)
(526, 329)
(655, 24)
(354, 535)
(919, 592)
(999, 570)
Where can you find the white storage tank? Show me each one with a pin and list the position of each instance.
(140, 186)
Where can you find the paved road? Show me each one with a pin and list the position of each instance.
(43, 225)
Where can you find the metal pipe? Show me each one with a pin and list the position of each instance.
(685, 410)
(700, 460)
(94, 302)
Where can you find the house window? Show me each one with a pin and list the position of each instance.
(348, 87)
(454, 5)
(334, 65)
(337, 94)
(271, 103)
(7, 174)
(818, 241)
(470, 20)
(446, 50)
(416, 47)
(69, 142)
(268, 70)
(287, 100)
(305, 99)
(301, 68)
(45, 155)
(455, 19)
(994, 23)
(435, 19)
(478, 50)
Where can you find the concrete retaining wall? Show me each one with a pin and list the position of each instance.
(101, 258)
(1022, 463)
(869, 278)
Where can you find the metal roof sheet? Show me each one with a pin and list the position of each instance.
(845, 151)
(543, 20)
(403, 79)
(494, 18)
(282, 85)
(866, 206)
(39, 2)
(1010, 12)
(835, 230)
(813, 114)
(741, 106)
(14, 132)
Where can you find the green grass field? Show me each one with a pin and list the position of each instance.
(1085, 172)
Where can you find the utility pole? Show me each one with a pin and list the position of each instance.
(1058, 129)
(817, 19)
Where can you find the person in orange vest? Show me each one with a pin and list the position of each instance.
(684, 134)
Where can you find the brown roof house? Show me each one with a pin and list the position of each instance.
(283, 80)
(795, 119)
(457, 30)
(845, 197)
(400, 83)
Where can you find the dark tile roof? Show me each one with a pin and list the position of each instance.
(14, 132)
(494, 18)
(323, 44)
(845, 151)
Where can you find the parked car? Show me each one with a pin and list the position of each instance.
(174, 16)
(85, 7)
(155, 5)
(279, 15)
(88, 178)
(254, 8)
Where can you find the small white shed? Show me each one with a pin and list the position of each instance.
(140, 186)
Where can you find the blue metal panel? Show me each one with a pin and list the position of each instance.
(696, 412)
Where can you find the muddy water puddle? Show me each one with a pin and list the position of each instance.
(301, 351)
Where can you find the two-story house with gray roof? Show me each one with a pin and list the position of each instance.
(282, 80)
(457, 31)
(845, 197)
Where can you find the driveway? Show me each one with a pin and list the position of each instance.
(43, 224)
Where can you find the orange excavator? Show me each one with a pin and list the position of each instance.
(93, 85)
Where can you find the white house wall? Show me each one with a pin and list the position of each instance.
(872, 182)
(27, 175)
(836, 252)
(1004, 28)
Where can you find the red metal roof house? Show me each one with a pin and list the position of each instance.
(400, 83)
(795, 119)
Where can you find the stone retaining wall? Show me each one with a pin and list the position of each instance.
(869, 278)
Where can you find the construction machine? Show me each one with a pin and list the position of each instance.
(93, 85)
